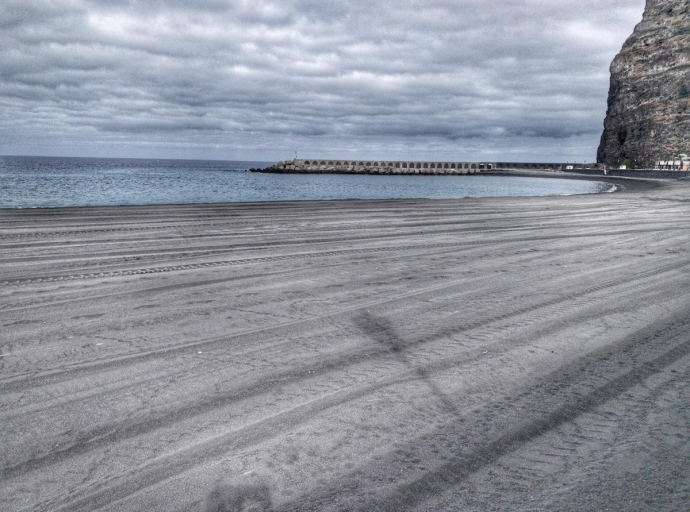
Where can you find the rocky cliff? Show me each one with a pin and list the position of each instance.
(648, 114)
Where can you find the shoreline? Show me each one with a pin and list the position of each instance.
(622, 185)
(627, 183)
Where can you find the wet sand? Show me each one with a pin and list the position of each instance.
(513, 354)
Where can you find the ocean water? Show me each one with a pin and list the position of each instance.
(44, 182)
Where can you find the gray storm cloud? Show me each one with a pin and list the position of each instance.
(259, 79)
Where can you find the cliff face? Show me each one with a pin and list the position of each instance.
(648, 114)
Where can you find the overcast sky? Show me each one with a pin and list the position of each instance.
(494, 80)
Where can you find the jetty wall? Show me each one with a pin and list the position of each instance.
(326, 166)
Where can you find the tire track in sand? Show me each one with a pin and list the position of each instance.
(552, 402)
(320, 254)
(113, 434)
(109, 491)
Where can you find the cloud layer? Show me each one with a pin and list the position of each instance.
(260, 79)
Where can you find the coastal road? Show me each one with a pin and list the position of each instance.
(499, 354)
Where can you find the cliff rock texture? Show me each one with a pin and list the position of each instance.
(648, 114)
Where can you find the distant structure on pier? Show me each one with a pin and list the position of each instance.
(325, 166)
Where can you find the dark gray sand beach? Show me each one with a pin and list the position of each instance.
(503, 354)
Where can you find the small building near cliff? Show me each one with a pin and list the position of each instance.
(680, 163)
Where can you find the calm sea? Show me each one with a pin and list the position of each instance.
(38, 182)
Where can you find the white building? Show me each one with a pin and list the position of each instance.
(680, 163)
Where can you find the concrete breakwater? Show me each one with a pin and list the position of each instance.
(376, 167)
(316, 166)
